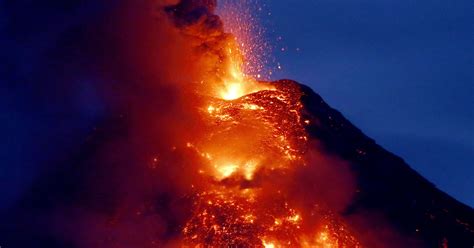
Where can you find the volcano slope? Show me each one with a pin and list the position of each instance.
(92, 200)
(386, 184)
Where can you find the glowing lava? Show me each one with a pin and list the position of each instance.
(235, 83)
(252, 144)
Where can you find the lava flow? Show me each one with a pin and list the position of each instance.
(252, 147)
(253, 143)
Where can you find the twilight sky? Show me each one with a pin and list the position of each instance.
(402, 71)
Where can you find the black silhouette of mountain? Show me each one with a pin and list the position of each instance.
(386, 184)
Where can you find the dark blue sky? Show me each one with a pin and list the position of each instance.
(402, 71)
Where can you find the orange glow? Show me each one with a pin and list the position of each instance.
(226, 170)
(250, 146)
(247, 143)
(235, 83)
(253, 133)
(268, 245)
(232, 91)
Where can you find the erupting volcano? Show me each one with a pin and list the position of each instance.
(252, 143)
(200, 153)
